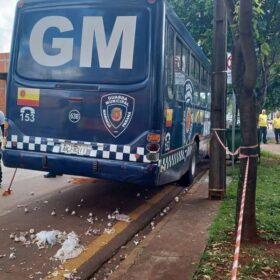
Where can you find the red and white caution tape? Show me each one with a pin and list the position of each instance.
(244, 189)
(235, 153)
(240, 222)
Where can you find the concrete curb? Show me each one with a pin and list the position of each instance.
(92, 265)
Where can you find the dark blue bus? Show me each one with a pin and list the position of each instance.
(107, 89)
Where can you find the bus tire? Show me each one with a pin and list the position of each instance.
(188, 177)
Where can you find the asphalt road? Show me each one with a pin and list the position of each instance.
(64, 203)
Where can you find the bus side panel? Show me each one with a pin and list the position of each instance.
(186, 119)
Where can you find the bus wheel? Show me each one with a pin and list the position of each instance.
(188, 177)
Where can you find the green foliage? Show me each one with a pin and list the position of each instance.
(267, 24)
(272, 102)
(197, 16)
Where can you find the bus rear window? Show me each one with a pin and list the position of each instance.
(84, 45)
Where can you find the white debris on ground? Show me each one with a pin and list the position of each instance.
(91, 231)
(71, 276)
(12, 256)
(109, 230)
(90, 220)
(45, 238)
(23, 237)
(123, 218)
(176, 199)
(71, 248)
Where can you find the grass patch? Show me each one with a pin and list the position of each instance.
(257, 261)
(269, 155)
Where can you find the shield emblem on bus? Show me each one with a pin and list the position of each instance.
(117, 111)
(116, 114)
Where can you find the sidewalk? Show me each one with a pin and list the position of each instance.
(173, 250)
(271, 147)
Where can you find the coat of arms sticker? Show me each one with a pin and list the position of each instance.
(117, 110)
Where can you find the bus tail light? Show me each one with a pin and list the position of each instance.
(153, 149)
(153, 137)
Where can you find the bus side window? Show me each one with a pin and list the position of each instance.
(208, 100)
(192, 66)
(196, 100)
(185, 60)
(169, 61)
(179, 74)
(203, 98)
(209, 80)
(196, 69)
(203, 73)
(178, 56)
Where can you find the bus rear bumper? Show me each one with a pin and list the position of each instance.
(131, 172)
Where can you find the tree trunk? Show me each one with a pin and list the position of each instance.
(244, 74)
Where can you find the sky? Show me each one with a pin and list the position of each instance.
(7, 11)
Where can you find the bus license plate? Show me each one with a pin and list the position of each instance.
(77, 149)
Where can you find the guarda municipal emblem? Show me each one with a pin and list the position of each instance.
(117, 111)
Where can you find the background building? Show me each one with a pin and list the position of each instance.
(4, 62)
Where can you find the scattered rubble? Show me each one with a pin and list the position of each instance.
(12, 256)
(90, 220)
(70, 249)
(123, 218)
(109, 230)
(44, 238)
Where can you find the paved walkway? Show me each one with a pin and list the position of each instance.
(173, 250)
(271, 147)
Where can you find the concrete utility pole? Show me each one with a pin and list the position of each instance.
(217, 173)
